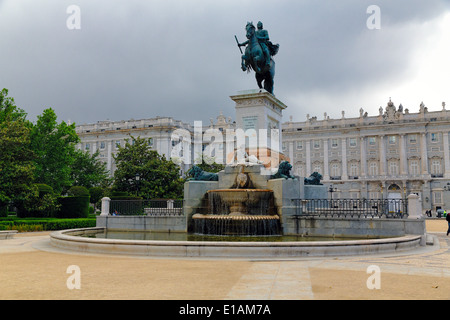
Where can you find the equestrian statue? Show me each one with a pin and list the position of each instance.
(258, 55)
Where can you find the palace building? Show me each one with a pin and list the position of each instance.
(386, 156)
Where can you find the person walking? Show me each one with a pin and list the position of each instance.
(448, 220)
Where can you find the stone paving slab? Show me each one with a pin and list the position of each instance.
(30, 268)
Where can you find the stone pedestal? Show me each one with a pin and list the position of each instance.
(194, 192)
(286, 193)
(414, 207)
(258, 109)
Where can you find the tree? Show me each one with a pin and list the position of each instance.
(54, 146)
(8, 110)
(89, 171)
(143, 172)
(16, 161)
(16, 158)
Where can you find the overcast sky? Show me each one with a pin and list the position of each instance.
(136, 59)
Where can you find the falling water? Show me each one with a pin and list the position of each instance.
(238, 212)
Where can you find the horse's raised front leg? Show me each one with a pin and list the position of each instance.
(243, 66)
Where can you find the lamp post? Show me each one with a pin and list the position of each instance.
(331, 189)
(137, 184)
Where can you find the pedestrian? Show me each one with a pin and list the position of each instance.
(448, 220)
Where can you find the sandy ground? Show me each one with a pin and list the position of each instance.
(31, 269)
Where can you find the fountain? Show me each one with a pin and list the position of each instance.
(240, 210)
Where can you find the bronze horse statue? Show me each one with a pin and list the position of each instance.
(255, 59)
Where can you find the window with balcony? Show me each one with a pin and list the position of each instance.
(414, 167)
(335, 171)
(373, 169)
(436, 168)
(354, 170)
(393, 168)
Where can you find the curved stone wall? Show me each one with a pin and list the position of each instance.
(72, 240)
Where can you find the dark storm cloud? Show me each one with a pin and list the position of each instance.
(141, 59)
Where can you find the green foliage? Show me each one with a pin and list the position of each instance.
(8, 110)
(42, 153)
(96, 193)
(73, 207)
(44, 189)
(16, 158)
(53, 145)
(4, 211)
(41, 201)
(89, 171)
(145, 173)
(45, 224)
(77, 191)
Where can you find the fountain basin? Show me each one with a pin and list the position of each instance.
(75, 241)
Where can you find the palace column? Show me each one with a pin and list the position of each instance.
(344, 159)
(326, 173)
(423, 148)
(363, 157)
(446, 156)
(403, 157)
(308, 158)
(291, 151)
(383, 165)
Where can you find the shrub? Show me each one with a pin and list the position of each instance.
(45, 224)
(96, 194)
(41, 202)
(3, 210)
(73, 207)
(78, 191)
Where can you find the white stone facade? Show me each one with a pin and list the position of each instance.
(387, 156)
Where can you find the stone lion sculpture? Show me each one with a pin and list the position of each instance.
(314, 179)
(198, 174)
(283, 171)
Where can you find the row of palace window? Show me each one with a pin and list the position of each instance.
(117, 143)
(393, 168)
(353, 142)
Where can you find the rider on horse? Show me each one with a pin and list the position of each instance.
(268, 48)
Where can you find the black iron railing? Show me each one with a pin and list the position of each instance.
(146, 207)
(352, 208)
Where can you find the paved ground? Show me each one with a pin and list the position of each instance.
(31, 269)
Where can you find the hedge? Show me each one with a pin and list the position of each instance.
(3, 211)
(73, 207)
(49, 224)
